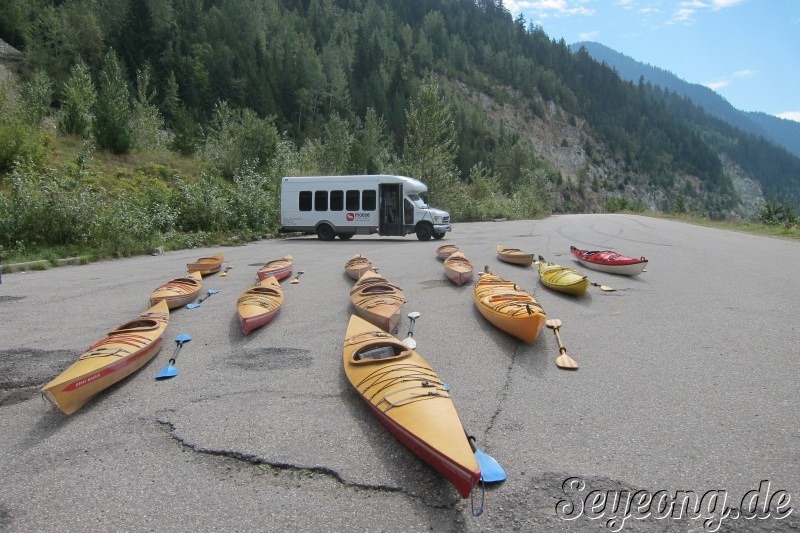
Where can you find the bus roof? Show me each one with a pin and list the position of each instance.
(411, 185)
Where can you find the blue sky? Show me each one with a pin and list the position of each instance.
(748, 51)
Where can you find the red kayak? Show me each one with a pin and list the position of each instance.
(608, 261)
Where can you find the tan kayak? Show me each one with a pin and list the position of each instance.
(179, 291)
(259, 304)
(458, 268)
(122, 352)
(445, 251)
(357, 265)
(280, 268)
(377, 301)
(206, 265)
(409, 398)
(514, 256)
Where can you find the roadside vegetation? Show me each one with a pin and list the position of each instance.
(129, 126)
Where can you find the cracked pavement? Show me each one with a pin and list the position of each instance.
(687, 382)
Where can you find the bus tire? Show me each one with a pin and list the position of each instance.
(345, 236)
(325, 232)
(424, 231)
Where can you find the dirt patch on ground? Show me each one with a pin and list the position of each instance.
(24, 371)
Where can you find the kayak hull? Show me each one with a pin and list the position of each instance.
(260, 304)
(610, 261)
(508, 307)
(122, 352)
(407, 396)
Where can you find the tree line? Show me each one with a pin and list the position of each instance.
(331, 86)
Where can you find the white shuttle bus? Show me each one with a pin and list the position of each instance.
(344, 206)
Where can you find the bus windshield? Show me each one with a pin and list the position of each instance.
(418, 201)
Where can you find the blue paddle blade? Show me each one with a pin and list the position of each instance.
(170, 371)
(491, 471)
(197, 304)
(167, 372)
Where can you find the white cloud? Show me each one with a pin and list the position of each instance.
(689, 8)
(744, 73)
(545, 8)
(714, 85)
(790, 115)
(722, 4)
(588, 36)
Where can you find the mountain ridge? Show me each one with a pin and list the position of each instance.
(782, 132)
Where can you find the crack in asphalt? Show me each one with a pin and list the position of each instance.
(503, 394)
(328, 472)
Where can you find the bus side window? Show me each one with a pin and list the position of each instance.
(321, 201)
(369, 200)
(337, 200)
(305, 200)
(352, 200)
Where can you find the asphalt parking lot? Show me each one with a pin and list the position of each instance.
(688, 382)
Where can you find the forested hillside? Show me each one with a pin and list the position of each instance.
(783, 132)
(497, 118)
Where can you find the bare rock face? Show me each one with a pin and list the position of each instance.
(9, 53)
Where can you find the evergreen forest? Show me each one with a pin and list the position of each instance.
(203, 105)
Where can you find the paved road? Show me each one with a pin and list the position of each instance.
(688, 381)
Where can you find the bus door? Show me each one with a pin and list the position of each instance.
(391, 209)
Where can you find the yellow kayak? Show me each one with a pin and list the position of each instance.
(508, 307)
(409, 398)
(563, 279)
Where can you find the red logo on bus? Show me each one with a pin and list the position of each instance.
(350, 217)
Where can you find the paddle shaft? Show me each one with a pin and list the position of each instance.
(177, 349)
(204, 298)
(563, 360)
(560, 344)
(411, 327)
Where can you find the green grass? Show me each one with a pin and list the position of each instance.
(767, 230)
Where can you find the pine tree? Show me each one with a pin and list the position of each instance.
(430, 145)
(79, 97)
(112, 108)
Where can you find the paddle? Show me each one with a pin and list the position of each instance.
(409, 341)
(491, 471)
(603, 287)
(225, 272)
(170, 371)
(563, 360)
(296, 279)
(197, 304)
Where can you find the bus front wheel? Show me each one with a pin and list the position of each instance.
(424, 232)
